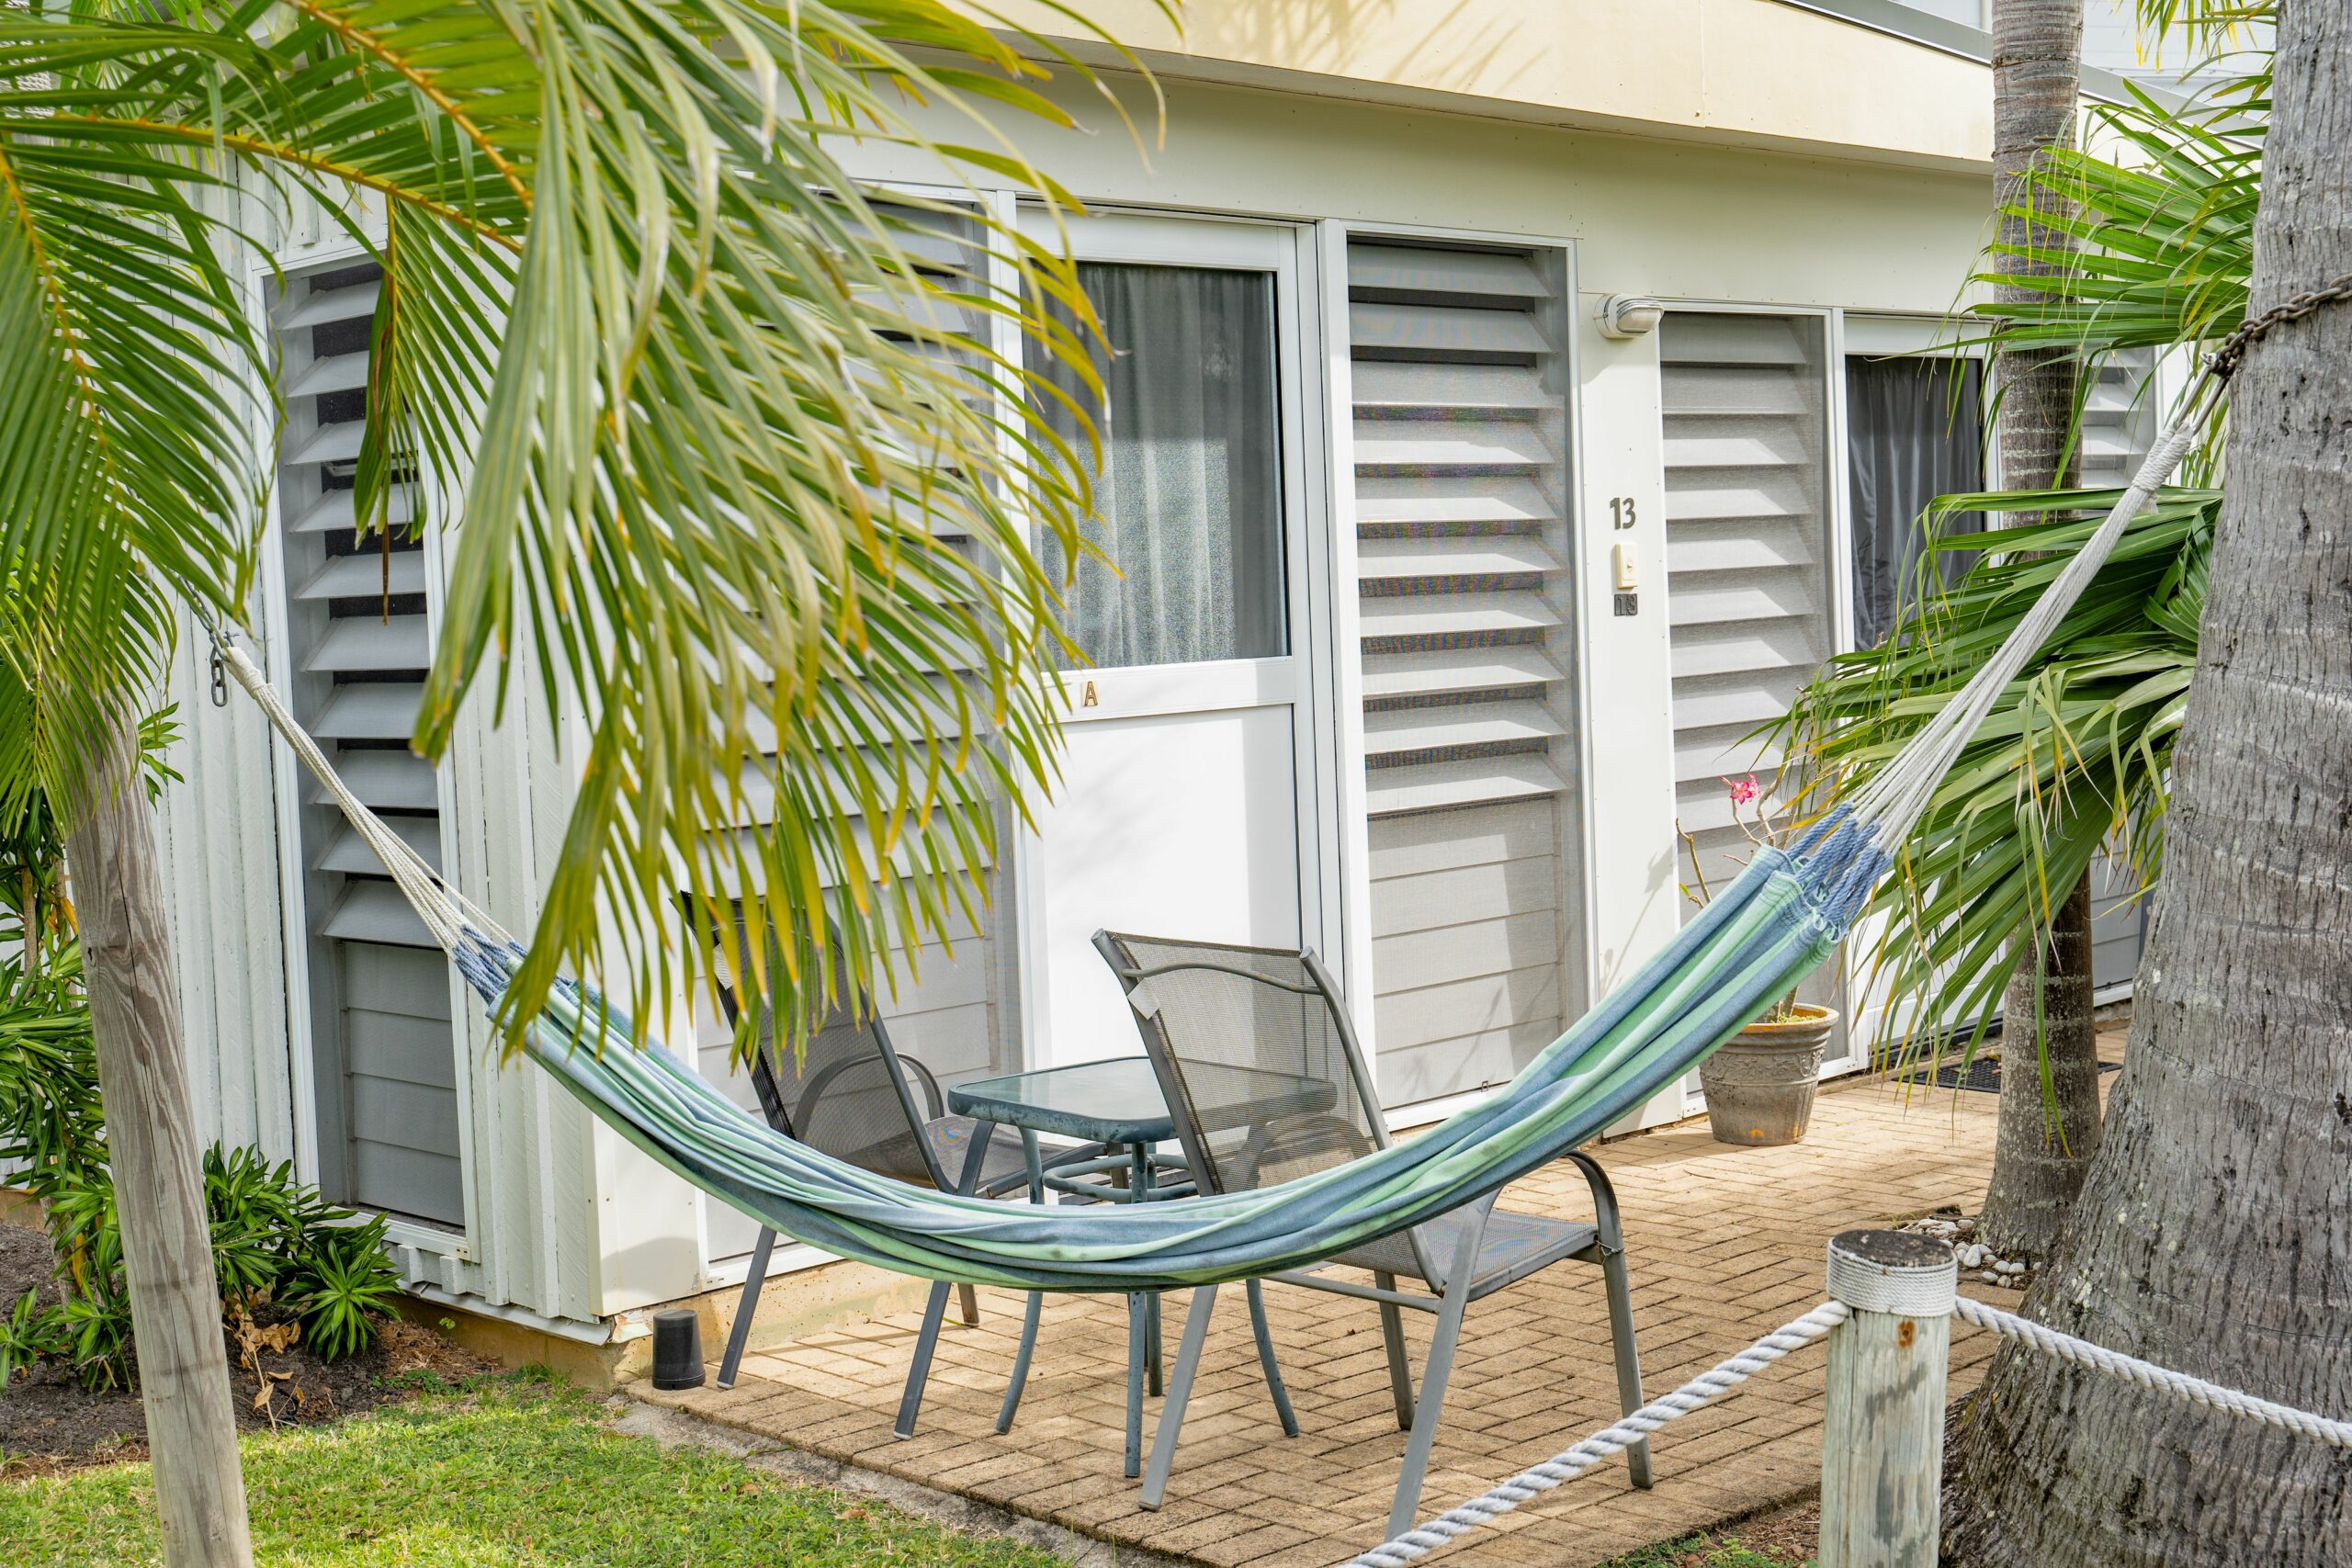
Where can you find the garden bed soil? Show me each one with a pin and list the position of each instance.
(48, 1423)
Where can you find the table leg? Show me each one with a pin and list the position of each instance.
(1151, 1343)
(1037, 1301)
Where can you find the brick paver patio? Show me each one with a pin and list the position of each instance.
(1724, 1244)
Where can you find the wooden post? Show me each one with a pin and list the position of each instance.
(1882, 1438)
(158, 1163)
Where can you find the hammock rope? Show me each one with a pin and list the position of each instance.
(1746, 949)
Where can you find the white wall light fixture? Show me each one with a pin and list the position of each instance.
(1627, 315)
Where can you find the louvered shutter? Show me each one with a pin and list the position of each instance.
(1747, 532)
(1461, 477)
(356, 648)
(2119, 430)
(1749, 604)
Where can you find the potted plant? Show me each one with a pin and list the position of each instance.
(1759, 1083)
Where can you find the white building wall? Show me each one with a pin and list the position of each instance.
(566, 1221)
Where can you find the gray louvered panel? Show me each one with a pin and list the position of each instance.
(1443, 503)
(1450, 447)
(1506, 666)
(331, 373)
(1460, 480)
(374, 913)
(337, 443)
(319, 308)
(384, 781)
(1457, 614)
(355, 643)
(335, 510)
(2118, 420)
(370, 710)
(1485, 555)
(1394, 732)
(1430, 274)
(380, 1028)
(349, 853)
(1442, 331)
(351, 577)
(1401, 388)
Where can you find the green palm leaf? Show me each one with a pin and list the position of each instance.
(741, 482)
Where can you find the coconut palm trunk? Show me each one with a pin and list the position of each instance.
(2214, 1233)
(2049, 1118)
(153, 1145)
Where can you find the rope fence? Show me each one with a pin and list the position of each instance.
(1895, 1278)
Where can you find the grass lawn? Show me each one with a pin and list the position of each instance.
(1704, 1551)
(506, 1472)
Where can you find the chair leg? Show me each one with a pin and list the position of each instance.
(1453, 1299)
(911, 1402)
(1432, 1405)
(741, 1332)
(1136, 1312)
(1628, 1350)
(1265, 1359)
(1020, 1362)
(1179, 1391)
(1620, 1289)
(969, 1301)
(1400, 1374)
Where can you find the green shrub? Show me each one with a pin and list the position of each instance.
(274, 1239)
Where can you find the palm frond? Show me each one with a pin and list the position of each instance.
(744, 482)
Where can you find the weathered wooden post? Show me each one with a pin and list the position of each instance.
(1883, 1439)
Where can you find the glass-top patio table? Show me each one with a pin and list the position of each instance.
(1118, 1102)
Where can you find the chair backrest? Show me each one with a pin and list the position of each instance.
(1256, 1056)
(845, 1089)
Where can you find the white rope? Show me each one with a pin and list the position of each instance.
(1571, 1462)
(1897, 796)
(2148, 1375)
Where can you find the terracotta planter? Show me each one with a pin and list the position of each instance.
(1759, 1083)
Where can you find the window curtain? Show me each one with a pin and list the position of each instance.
(1188, 487)
(1914, 431)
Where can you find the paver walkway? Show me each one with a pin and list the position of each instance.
(1724, 1244)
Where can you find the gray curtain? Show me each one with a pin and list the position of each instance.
(1914, 431)
(1188, 493)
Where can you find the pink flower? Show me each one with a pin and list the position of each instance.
(1745, 792)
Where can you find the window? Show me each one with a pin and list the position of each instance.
(1188, 484)
(1914, 431)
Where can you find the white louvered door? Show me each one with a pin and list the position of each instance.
(1466, 606)
(384, 1052)
(1748, 559)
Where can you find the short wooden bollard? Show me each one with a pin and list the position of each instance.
(1883, 1437)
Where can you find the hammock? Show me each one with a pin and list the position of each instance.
(1747, 948)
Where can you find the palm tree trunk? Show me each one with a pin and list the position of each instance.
(2042, 1148)
(151, 1146)
(2214, 1234)
(2049, 1119)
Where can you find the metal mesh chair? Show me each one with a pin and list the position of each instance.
(850, 1093)
(1260, 1065)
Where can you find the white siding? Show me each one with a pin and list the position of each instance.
(218, 829)
(1461, 469)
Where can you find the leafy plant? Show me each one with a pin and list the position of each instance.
(342, 1287)
(2077, 753)
(30, 1335)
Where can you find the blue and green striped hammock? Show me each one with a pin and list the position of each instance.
(1749, 947)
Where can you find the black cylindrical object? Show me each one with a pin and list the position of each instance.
(677, 1349)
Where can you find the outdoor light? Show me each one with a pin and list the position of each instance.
(1627, 315)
